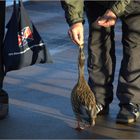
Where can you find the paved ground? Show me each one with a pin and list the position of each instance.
(40, 95)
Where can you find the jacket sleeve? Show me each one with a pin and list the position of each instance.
(125, 7)
(74, 11)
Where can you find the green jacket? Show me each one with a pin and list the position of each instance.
(74, 9)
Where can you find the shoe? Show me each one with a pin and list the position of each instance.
(128, 113)
(3, 104)
(101, 109)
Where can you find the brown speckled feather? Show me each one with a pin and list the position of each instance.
(82, 98)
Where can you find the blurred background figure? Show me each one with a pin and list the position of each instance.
(3, 94)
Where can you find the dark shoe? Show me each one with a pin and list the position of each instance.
(128, 113)
(102, 110)
(3, 104)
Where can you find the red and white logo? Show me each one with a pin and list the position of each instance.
(25, 36)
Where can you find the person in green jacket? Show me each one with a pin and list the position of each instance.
(102, 16)
(3, 94)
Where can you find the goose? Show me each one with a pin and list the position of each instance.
(82, 98)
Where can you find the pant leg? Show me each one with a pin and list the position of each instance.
(2, 29)
(101, 55)
(129, 79)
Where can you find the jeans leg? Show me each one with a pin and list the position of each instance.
(129, 79)
(101, 55)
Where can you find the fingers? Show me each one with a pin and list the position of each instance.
(72, 37)
(106, 22)
(75, 37)
(76, 33)
(101, 20)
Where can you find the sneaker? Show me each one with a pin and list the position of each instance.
(128, 113)
(3, 104)
(102, 110)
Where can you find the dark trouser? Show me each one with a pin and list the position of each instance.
(2, 29)
(102, 60)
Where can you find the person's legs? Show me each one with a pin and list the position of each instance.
(128, 90)
(101, 55)
(3, 94)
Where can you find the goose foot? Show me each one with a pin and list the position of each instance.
(79, 128)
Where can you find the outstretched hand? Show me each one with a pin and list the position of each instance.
(108, 19)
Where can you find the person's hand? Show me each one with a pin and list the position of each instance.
(108, 19)
(76, 33)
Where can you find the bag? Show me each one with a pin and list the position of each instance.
(23, 46)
